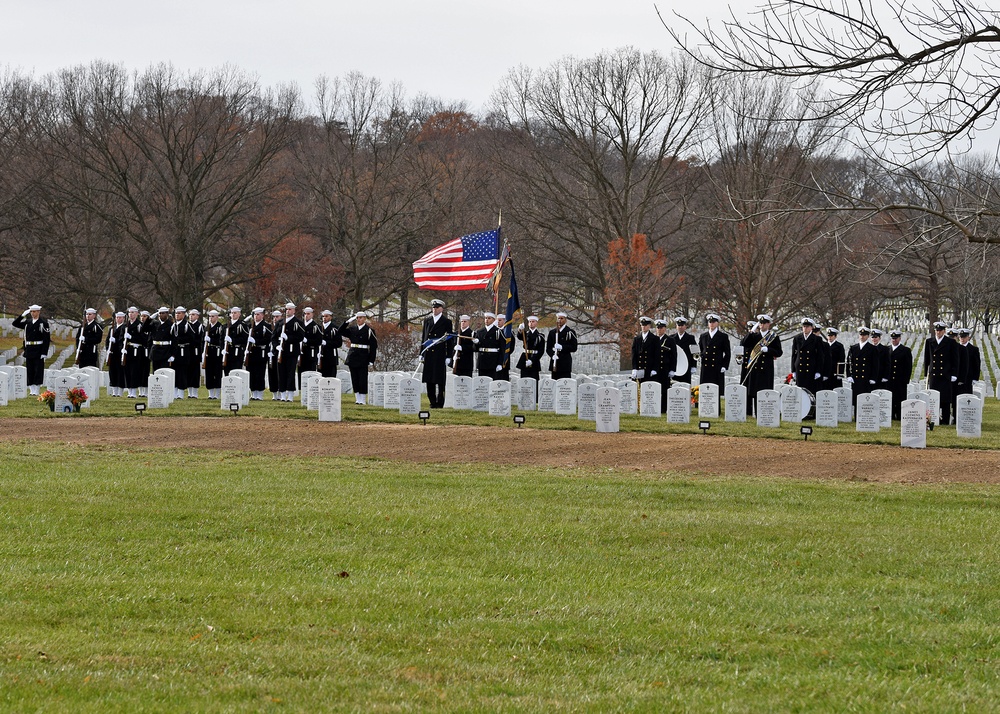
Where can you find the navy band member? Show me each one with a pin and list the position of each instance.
(215, 344)
(328, 355)
(560, 344)
(715, 353)
(941, 362)
(258, 347)
(645, 352)
(864, 365)
(463, 354)
(436, 359)
(489, 345)
(836, 362)
(684, 341)
(975, 363)
(900, 370)
(529, 364)
(161, 339)
(361, 353)
(666, 361)
(89, 337)
(883, 350)
(760, 369)
(37, 339)
(809, 358)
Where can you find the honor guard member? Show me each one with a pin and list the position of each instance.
(291, 334)
(362, 350)
(194, 366)
(215, 344)
(463, 356)
(529, 364)
(900, 370)
(234, 351)
(489, 344)
(645, 349)
(113, 345)
(864, 365)
(941, 363)
(147, 343)
(506, 348)
(974, 359)
(161, 340)
(328, 346)
(560, 344)
(684, 342)
(666, 361)
(132, 353)
(272, 356)
(89, 337)
(36, 341)
(311, 343)
(184, 339)
(258, 352)
(837, 361)
(760, 369)
(809, 356)
(963, 368)
(883, 350)
(715, 353)
(435, 353)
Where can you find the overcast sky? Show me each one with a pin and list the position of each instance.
(455, 50)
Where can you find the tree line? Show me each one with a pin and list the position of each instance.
(630, 183)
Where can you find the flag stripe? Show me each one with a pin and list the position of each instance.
(464, 263)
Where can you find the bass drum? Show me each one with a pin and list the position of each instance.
(682, 363)
(807, 409)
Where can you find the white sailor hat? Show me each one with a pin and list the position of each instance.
(360, 313)
(327, 312)
(490, 314)
(133, 309)
(764, 317)
(145, 312)
(307, 309)
(532, 317)
(260, 311)
(808, 321)
(940, 325)
(213, 313)
(562, 314)
(661, 323)
(276, 313)
(194, 311)
(712, 317)
(289, 305)
(437, 303)
(864, 330)
(464, 317)
(680, 320)
(119, 314)
(180, 308)
(34, 307)
(90, 311)
(832, 331)
(164, 309)
(237, 309)
(645, 320)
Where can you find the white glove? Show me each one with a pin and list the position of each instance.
(170, 361)
(421, 359)
(851, 380)
(694, 370)
(499, 368)
(128, 336)
(458, 348)
(871, 381)
(527, 363)
(111, 341)
(722, 371)
(954, 379)
(795, 375)
(229, 339)
(558, 347)
(251, 340)
(652, 373)
(25, 313)
(635, 373)
(283, 337)
(447, 361)
(817, 375)
(764, 348)
(475, 340)
(323, 343)
(671, 374)
(884, 379)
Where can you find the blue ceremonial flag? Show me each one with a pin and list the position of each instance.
(464, 263)
(513, 305)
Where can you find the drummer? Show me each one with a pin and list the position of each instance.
(686, 346)
(809, 358)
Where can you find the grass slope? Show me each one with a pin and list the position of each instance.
(209, 581)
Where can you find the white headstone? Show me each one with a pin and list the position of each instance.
(346, 385)
(968, 416)
(243, 374)
(391, 397)
(884, 407)
(678, 405)
(171, 380)
(20, 382)
(230, 392)
(330, 391)
(88, 381)
(827, 408)
(304, 387)
(867, 416)
(95, 382)
(791, 404)
(546, 394)
(769, 408)
(462, 392)
(708, 401)
(649, 399)
(629, 403)
(586, 401)
(159, 390)
(5, 387)
(736, 402)
(526, 394)
(481, 394)
(409, 396)
(565, 396)
(449, 393)
(609, 409)
(376, 388)
(62, 385)
(845, 405)
(913, 424)
(934, 397)
(499, 398)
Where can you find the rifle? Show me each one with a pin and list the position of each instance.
(281, 340)
(79, 343)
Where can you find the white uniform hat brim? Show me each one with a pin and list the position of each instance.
(34, 308)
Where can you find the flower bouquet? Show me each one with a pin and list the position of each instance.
(76, 397)
(694, 395)
(49, 397)
(789, 379)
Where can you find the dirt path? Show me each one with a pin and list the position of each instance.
(713, 455)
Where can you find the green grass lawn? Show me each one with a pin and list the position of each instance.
(135, 580)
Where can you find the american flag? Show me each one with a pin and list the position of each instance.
(464, 263)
